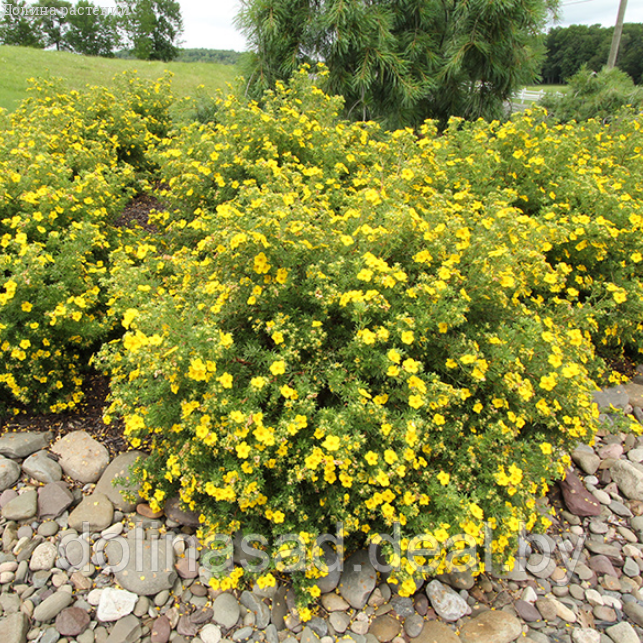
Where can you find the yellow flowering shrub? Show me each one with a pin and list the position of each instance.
(342, 324)
(68, 164)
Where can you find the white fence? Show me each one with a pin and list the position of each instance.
(527, 96)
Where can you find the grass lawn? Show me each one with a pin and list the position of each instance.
(20, 63)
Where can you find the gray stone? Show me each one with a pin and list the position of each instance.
(334, 603)
(458, 579)
(53, 499)
(226, 610)
(339, 621)
(9, 473)
(126, 630)
(402, 605)
(634, 611)
(50, 635)
(14, 628)
(81, 457)
(24, 507)
(41, 467)
(96, 511)
(634, 392)
(615, 397)
(174, 512)
(52, 606)
(587, 461)
(628, 478)
(358, 579)
(279, 608)
(623, 633)
(119, 469)
(329, 582)
(541, 566)
(620, 509)
(448, 604)
(527, 611)
(413, 625)
(492, 626)
(144, 567)
(20, 445)
(246, 632)
(272, 636)
(48, 529)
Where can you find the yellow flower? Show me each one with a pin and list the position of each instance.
(278, 367)
(390, 456)
(26, 306)
(197, 370)
(371, 457)
(226, 380)
(545, 447)
(410, 365)
(277, 337)
(416, 401)
(258, 382)
(331, 443)
(129, 316)
(394, 356)
(407, 337)
(444, 478)
(243, 450)
(548, 382)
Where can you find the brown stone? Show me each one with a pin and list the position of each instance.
(146, 511)
(161, 630)
(436, 632)
(578, 500)
(72, 621)
(385, 628)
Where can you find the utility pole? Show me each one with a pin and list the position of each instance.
(616, 38)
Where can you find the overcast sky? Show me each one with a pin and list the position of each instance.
(210, 24)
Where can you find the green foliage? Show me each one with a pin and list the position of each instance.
(152, 27)
(19, 29)
(90, 34)
(400, 63)
(594, 95)
(221, 56)
(68, 166)
(569, 48)
(341, 323)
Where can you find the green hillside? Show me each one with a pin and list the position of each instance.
(20, 63)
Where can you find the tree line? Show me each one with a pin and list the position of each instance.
(569, 48)
(149, 29)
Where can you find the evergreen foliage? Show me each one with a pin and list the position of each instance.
(404, 61)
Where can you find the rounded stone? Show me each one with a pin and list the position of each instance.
(72, 621)
(82, 458)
